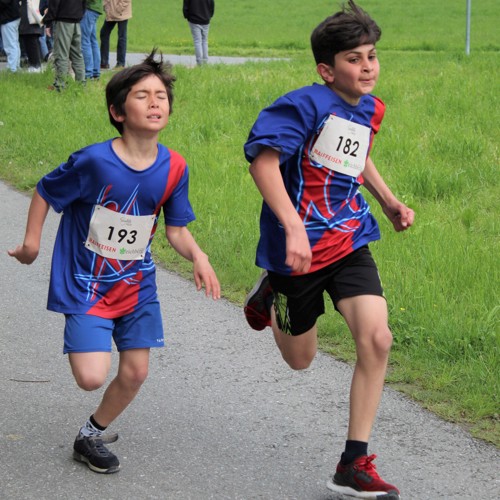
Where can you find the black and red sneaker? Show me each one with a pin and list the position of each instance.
(257, 305)
(360, 479)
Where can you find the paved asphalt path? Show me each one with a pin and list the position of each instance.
(220, 416)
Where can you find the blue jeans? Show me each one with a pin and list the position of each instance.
(200, 40)
(10, 40)
(90, 47)
(44, 49)
(121, 50)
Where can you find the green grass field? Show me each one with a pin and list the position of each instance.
(283, 27)
(438, 149)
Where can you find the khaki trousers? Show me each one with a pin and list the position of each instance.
(68, 47)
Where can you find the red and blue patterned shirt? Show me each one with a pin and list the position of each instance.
(82, 281)
(336, 216)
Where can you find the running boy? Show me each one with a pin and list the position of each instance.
(103, 275)
(309, 154)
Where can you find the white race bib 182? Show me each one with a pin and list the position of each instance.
(342, 146)
(119, 236)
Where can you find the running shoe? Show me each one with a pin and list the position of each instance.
(360, 479)
(91, 450)
(257, 305)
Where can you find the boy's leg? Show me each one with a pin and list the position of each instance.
(90, 369)
(291, 306)
(356, 475)
(132, 372)
(297, 350)
(134, 334)
(88, 340)
(366, 317)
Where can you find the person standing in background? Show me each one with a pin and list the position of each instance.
(10, 17)
(62, 20)
(117, 12)
(198, 14)
(30, 31)
(90, 47)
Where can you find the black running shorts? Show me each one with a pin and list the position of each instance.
(298, 300)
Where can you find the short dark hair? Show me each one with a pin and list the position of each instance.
(344, 30)
(119, 86)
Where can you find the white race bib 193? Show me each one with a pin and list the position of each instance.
(342, 146)
(119, 236)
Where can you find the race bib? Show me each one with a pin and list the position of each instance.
(342, 146)
(119, 236)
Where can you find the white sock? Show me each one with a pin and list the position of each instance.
(90, 430)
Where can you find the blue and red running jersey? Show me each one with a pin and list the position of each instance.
(335, 214)
(83, 282)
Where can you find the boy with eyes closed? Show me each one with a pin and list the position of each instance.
(103, 276)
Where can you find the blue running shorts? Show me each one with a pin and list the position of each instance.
(140, 329)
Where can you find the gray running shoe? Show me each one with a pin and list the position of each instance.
(91, 450)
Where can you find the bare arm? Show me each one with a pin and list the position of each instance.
(184, 244)
(265, 170)
(397, 212)
(28, 251)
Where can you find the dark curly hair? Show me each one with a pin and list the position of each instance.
(119, 86)
(344, 30)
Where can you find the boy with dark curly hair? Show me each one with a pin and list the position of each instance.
(309, 155)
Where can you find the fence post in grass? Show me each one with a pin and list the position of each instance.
(467, 28)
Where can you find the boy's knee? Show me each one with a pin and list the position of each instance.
(134, 377)
(297, 351)
(89, 381)
(140, 376)
(299, 361)
(380, 342)
(299, 364)
(383, 341)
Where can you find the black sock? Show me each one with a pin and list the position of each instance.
(95, 424)
(353, 450)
